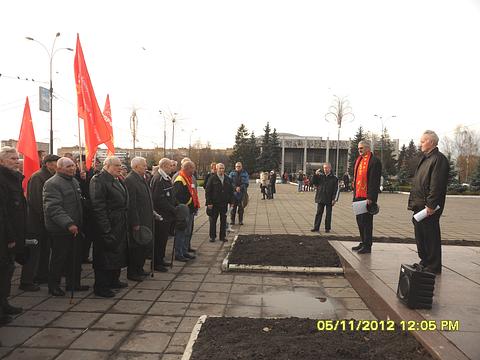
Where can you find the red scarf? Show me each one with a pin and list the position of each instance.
(191, 188)
(361, 181)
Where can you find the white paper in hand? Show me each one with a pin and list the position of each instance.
(359, 207)
(421, 215)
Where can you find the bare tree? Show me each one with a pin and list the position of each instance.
(466, 143)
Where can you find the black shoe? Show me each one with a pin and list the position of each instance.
(79, 288)
(189, 256)
(40, 281)
(358, 247)
(327, 230)
(314, 230)
(212, 240)
(29, 287)
(106, 293)
(144, 273)
(87, 261)
(164, 263)
(192, 250)
(417, 266)
(56, 292)
(181, 258)
(232, 222)
(240, 223)
(365, 250)
(223, 240)
(119, 285)
(160, 268)
(5, 319)
(431, 270)
(10, 309)
(137, 278)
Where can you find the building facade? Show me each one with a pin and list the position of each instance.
(41, 146)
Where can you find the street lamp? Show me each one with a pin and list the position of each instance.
(190, 141)
(164, 133)
(174, 119)
(339, 112)
(382, 135)
(50, 54)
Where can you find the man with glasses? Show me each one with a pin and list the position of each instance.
(366, 186)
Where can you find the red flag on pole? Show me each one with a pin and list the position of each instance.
(96, 129)
(27, 146)
(107, 114)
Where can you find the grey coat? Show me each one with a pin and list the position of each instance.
(62, 204)
(109, 200)
(140, 206)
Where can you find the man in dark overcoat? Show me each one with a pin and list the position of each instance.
(109, 201)
(325, 197)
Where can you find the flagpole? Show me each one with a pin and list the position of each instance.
(80, 145)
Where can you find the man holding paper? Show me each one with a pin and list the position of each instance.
(429, 189)
(366, 186)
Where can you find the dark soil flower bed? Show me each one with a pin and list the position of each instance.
(223, 338)
(284, 250)
(396, 240)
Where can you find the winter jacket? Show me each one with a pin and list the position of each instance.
(219, 194)
(163, 198)
(327, 188)
(429, 186)
(239, 179)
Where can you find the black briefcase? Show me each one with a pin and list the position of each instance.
(415, 288)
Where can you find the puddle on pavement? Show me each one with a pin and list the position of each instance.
(300, 304)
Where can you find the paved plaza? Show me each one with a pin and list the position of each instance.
(153, 319)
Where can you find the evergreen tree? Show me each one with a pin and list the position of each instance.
(401, 157)
(452, 173)
(389, 163)
(359, 136)
(475, 181)
(252, 154)
(403, 173)
(276, 151)
(266, 153)
(412, 157)
(240, 149)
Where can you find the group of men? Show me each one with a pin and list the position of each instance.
(428, 192)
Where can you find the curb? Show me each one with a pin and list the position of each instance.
(193, 337)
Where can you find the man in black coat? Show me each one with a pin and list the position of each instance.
(63, 213)
(164, 205)
(272, 179)
(429, 190)
(13, 212)
(346, 181)
(218, 194)
(109, 201)
(366, 186)
(325, 197)
(35, 269)
(140, 219)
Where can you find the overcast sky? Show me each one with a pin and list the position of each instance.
(220, 63)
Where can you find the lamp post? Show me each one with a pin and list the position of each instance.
(190, 141)
(339, 112)
(164, 133)
(174, 119)
(381, 136)
(50, 54)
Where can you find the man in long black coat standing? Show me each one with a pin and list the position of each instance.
(35, 270)
(366, 186)
(325, 197)
(218, 194)
(13, 213)
(164, 205)
(140, 219)
(109, 201)
(429, 190)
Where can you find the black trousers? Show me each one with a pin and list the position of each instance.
(237, 204)
(319, 214)
(162, 229)
(66, 257)
(429, 242)
(365, 227)
(219, 210)
(45, 249)
(30, 268)
(7, 267)
(105, 279)
(136, 260)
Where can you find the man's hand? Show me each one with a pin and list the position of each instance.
(333, 202)
(73, 229)
(369, 202)
(11, 245)
(210, 206)
(136, 227)
(237, 189)
(430, 211)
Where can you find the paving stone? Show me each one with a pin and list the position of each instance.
(246, 289)
(26, 302)
(136, 356)
(4, 351)
(94, 305)
(55, 304)
(243, 311)
(267, 280)
(153, 284)
(80, 320)
(190, 277)
(355, 314)
(142, 294)
(33, 354)
(172, 357)
(340, 282)
(187, 324)
(35, 318)
(211, 298)
(11, 336)
(340, 292)
(218, 278)
(215, 287)
(205, 309)
(171, 349)
(131, 306)
(195, 269)
(83, 355)
(159, 324)
(180, 339)
(248, 300)
(53, 337)
(184, 286)
(98, 339)
(244, 279)
(349, 303)
(168, 308)
(177, 296)
(117, 321)
(147, 342)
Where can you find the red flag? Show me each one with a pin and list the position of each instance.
(96, 129)
(107, 114)
(27, 146)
